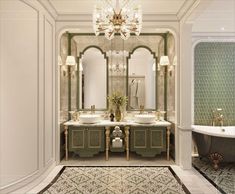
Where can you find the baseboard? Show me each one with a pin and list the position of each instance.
(27, 184)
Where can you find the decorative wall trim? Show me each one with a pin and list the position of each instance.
(44, 86)
(44, 77)
(185, 129)
(212, 35)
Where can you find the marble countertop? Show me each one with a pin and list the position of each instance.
(123, 123)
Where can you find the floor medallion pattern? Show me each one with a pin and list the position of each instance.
(116, 180)
(223, 178)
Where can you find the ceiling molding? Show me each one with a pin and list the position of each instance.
(213, 34)
(186, 8)
(49, 8)
(88, 17)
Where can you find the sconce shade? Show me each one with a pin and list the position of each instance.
(175, 61)
(80, 66)
(60, 61)
(154, 66)
(164, 61)
(70, 60)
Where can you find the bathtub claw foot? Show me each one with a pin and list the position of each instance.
(216, 158)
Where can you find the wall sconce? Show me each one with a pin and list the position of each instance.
(71, 62)
(62, 66)
(174, 61)
(164, 61)
(154, 66)
(80, 66)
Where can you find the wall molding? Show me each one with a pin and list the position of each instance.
(39, 112)
(47, 5)
(183, 128)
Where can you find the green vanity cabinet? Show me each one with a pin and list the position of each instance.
(86, 141)
(148, 141)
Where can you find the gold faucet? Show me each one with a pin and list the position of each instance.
(92, 109)
(141, 109)
(158, 114)
(217, 117)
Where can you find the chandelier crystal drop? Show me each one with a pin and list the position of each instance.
(117, 16)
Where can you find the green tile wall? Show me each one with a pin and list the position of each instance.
(214, 81)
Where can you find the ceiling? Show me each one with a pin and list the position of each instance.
(172, 10)
(148, 6)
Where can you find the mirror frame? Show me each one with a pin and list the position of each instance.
(107, 77)
(156, 79)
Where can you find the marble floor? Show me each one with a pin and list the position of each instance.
(223, 178)
(192, 179)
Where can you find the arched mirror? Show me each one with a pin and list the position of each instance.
(142, 78)
(93, 79)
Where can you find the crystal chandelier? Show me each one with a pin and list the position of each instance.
(113, 16)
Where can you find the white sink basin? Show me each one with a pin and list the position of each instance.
(89, 118)
(145, 118)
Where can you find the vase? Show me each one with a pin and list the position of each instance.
(118, 114)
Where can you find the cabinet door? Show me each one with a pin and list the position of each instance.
(157, 138)
(139, 138)
(77, 138)
(95, 138)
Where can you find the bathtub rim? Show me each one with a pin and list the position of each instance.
(207, 130)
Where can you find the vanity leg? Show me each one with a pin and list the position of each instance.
(66, 141)
(168, 142)
(127, 142)
(107, 133)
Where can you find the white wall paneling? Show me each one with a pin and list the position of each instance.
(185, 93)
(27, 87)
(48, 91)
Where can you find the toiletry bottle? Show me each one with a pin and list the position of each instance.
(111, 116)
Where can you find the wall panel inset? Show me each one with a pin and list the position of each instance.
(19, 91)
(48, 92)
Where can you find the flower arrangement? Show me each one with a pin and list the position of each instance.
(117, 99)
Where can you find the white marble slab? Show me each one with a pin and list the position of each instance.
(108, 123)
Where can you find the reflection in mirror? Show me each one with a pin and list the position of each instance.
(92, 80)
(142, 80)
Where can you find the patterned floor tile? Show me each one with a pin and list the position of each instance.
(115, 180)
(223, 178)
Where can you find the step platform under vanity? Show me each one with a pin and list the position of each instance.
(147, 140)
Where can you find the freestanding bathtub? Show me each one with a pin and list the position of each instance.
(210, 139)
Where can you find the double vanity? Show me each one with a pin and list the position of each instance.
(145, 139)
(130, 69)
